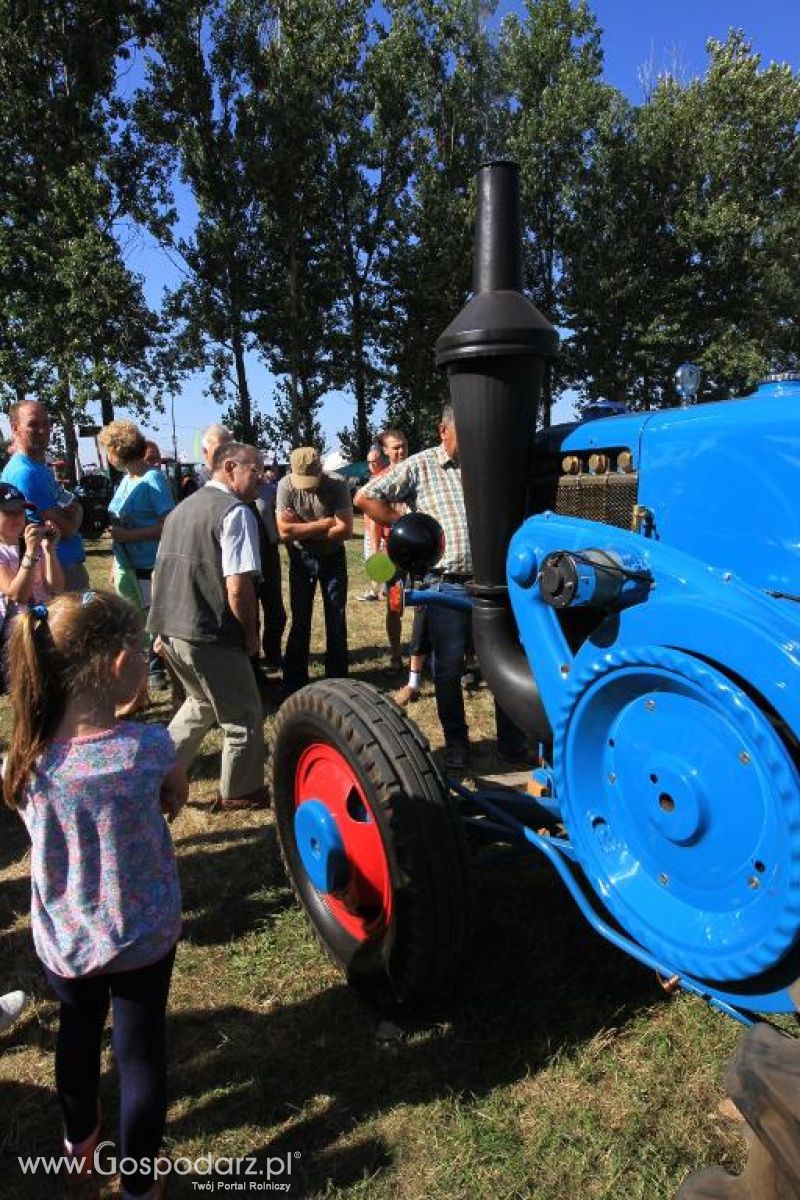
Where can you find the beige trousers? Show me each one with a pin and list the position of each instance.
(220, 690)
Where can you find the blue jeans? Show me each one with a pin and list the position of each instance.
(305, 571)
(449, 631)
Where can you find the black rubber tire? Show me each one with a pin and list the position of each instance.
(422, 836)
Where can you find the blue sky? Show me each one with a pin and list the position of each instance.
(635, 34)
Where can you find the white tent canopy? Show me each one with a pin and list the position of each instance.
(333, 461)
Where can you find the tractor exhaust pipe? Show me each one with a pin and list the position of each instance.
(495, 353)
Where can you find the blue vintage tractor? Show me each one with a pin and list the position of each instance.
(636, 610)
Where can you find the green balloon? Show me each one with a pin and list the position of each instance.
(380, 568)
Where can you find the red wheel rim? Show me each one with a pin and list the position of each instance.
(364, 907)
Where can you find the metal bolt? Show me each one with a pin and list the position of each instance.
(564, 668)
(726, 577)
(612, 777)
(649, 705)
(744, 757)
(663, 880)
(754, 882)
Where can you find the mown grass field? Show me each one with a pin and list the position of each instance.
(556, 1068)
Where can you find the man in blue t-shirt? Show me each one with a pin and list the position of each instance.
(27, 469)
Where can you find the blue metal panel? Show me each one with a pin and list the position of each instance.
(672, 771)
(609, 431)
(721, 480)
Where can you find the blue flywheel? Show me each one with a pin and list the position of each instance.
(683, 804)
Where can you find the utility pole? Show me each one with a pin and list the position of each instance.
(174, 436)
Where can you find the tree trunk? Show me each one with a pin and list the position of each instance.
(359, 376)
(68, 424)
(295, 433)
(547, 394)
(106, 407)
(245, 407)
(306, 414)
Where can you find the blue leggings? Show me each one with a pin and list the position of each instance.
(139, 1000)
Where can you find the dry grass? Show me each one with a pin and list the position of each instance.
(556, 1068)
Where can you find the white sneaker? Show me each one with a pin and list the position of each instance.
(12, 1006)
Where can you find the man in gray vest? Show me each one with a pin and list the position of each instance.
(205, 610)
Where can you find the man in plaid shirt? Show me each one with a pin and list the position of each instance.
(430, 482)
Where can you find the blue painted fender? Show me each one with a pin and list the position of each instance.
(673, 727)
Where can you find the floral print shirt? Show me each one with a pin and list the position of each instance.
(105, 894)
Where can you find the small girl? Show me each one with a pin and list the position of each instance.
(30, 572)
(105, 898)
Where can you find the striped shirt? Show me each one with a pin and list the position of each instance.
(430, 482)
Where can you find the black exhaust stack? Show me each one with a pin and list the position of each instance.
(495, 353)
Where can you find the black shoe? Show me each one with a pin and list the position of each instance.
(456, 756)
(516, 756)
(471, 679)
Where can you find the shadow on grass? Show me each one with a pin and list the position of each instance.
(311, 1078)
(214, 867)
(539, 983)
(14, 840)
(23, 1105)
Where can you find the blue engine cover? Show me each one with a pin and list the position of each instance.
(676, 718)
(722, 480)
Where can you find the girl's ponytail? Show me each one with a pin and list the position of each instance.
(52, 653)
(37, 698)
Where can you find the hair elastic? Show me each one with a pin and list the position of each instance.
(40, 611)
(88, 597)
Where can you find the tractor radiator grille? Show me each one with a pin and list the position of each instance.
(609, 499)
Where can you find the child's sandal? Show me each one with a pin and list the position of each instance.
(78, 1169)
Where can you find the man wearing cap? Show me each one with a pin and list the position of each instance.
(27, 469)
(314, 514)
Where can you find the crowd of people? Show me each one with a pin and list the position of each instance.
(197, 604)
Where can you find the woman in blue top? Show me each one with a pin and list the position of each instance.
(138, 509)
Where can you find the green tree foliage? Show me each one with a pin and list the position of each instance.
(685, 242)
(428, 258)
(552, 65)
(74, 323)
(323, 152)
(307, 69)
(198, 103)
(375, 156)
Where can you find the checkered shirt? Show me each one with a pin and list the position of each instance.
(430, 482)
